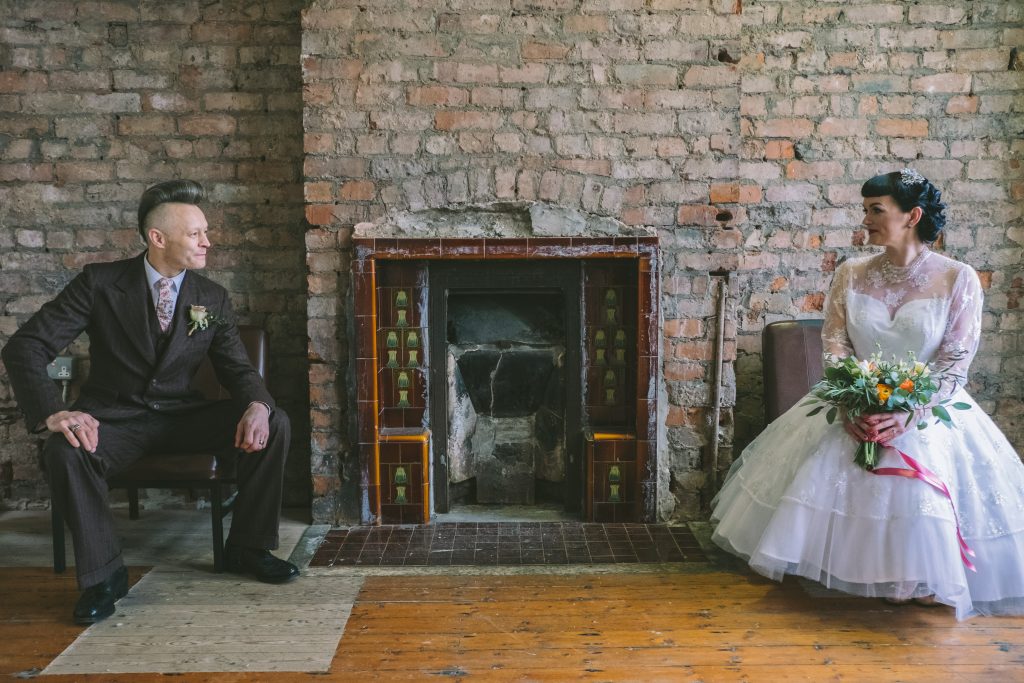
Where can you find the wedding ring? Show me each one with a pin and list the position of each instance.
(75, 427)
(262, 441)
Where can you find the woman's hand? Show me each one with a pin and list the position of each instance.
(880, 427)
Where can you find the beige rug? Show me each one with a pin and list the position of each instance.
(178, 620)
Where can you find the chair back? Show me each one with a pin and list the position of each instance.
(792, 364)
(254, 338)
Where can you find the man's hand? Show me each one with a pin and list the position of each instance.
(253, 429)
(82, 430)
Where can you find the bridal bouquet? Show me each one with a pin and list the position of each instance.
(862, 387)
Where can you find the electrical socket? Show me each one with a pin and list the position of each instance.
(62, 368)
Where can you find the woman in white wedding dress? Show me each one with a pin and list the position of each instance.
(795, 502)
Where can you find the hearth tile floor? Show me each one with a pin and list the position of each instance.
(507, 544)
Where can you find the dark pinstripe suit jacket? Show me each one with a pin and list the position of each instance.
(111, 302)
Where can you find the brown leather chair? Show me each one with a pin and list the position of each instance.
(213, 471)
(791, 360)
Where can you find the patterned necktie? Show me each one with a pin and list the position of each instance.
(164, 303)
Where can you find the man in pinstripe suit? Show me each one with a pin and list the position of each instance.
(144, 351)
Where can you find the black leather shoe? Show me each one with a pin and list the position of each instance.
(259, 563)
(97, 602)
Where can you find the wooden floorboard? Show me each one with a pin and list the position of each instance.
(711, 626)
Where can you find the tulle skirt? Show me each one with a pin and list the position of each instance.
(794, 503)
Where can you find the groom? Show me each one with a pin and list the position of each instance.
(144, 350)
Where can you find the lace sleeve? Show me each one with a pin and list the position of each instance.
(963, 331)
(834, 338)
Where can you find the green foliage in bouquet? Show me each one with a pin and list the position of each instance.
(863, 387)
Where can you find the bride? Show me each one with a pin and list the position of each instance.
(795, 502)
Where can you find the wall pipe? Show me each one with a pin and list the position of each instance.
(716, 406)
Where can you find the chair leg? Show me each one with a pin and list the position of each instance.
(217, 515)
(57, 531)
(133, 503)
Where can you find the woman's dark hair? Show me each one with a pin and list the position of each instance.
(908, 188)
(171, 191)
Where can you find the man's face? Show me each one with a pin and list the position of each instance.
(178, 237)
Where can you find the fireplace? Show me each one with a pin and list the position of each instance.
(506, 371)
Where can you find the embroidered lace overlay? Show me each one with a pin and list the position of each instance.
(948, 290)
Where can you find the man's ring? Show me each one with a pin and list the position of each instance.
(75, 427)
(262, 441)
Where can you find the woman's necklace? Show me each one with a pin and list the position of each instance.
(894, 274)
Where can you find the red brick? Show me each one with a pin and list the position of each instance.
(601, 167)
(438, 95)
(72, 172)
(319, 192)
(831, 127)
(357, 190)
(750, 194)
(903, 128)
(233, 101)
(527, 73)
(317, 18)
(323, 485)
(784, 128)
(949, 82)
(318, 143)
(817, 170)
(683, 371)
(962, 104)
(811, 302)
(697, 214)
(26, 172)
(22, 81)
(210, 124)
(688, 327)
(146, 124)
(725, 193)
(587, 23)
(319, 214)
(537, 50)
(461, 120)
(779, 149)
(692, 350)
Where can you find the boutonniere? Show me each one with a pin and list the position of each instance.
(200, 319)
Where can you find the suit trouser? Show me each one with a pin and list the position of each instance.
(79, 478)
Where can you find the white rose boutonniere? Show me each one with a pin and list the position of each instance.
(200, 319)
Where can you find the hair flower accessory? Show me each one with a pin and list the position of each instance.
(200, 319)
(909, 176)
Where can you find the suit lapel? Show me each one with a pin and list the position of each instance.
(130, 298)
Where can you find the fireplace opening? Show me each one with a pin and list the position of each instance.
(506, 374)
(509, 371)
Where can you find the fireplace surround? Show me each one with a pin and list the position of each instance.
(547, 345)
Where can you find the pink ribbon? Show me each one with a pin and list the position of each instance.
(919, 471)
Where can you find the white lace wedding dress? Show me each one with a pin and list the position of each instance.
(795, 503)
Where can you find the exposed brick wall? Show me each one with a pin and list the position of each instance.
(99, 100)
(833, 93)
(741, 132)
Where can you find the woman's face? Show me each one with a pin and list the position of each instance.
(887, 224)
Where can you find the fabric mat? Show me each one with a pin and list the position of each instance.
(177, 620)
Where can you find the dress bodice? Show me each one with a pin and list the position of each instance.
(931, 308)
(916, 327)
